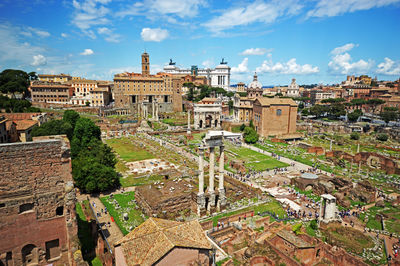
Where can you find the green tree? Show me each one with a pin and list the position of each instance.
(353, 116)
(250, 135)
(358, 102)
(230, 105)
(242, 127)
(85, 130)
(314, 225)
(305, 112)
(12, 81)
(71, 117)
(354, 136)
(336, 110)
(318, 110)
(382, 137)
(251, 124)
(387, 115)
(33, 76)
(53, 127)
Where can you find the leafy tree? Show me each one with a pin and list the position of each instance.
(71, 117)
(242, 94)
(85, 130)
(297, 228)
(358, 102)
(314, 225)
(353, 116)
(230, 104)
(336, 110)
(251, 124)
(16, 105)
(305, 111)
(250, 135)
(12, 81)
(355, 136)
(387, 115)
(374, 103)
(53, 127)
(333, 100)
(279, 94)
(230, 94)
(319, 110)
(301, 106)
(382, 137)
(242, 127)
(33, 76)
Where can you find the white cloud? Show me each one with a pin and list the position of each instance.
(110, 36)
(330, 8)
(87, 52)
(64, 35)
(341, 62)
(89, 13)
(39, 60)
(242, 67)
(258, 11)
(207, 63)
(255, 51)
(290, 67)
(389, 67)
(15, 51)
(154, 35)
(30, 31)
(342, 49)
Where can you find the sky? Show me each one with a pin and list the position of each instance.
(314, 41)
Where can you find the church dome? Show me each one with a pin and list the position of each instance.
(255, 84)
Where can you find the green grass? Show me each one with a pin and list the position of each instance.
(219, 263)
(86, 241)
(125, 201)
(131, 181)
(272, 206)
(128, 151)
(253, 160)
(96, 262)
(310, 231)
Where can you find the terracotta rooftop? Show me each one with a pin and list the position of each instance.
(293, 239)
(25, 124)
(265, 101)
(20, 116)
(208, 99)
(154, 238)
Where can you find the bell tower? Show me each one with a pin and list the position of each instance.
(145, 64)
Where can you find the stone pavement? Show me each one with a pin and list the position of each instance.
(112, 231)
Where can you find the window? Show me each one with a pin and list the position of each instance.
(60, 210)
(278, 112)
(52, 249)
(25, 207)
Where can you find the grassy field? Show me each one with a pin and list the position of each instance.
(125, 202)
(131, 181)
(127, 151)
(253, 160)
(272, 206)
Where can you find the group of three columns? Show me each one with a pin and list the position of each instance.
(201, 196)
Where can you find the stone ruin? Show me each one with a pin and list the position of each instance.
(37, 204)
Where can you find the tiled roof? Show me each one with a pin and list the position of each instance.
(150, 241)
(265, 101)
(25, 124)
(20, 116)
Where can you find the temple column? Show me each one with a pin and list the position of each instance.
(157, 118)
(188, 124)
(201, 201)
(153, 114)
(221, 188)
(211, 179)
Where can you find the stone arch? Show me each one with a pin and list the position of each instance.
(29, 255)
(216, 123)
(309, 187)
(201, 124)
(209, 119)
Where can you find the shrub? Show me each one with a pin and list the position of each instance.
(355, 136)
(314, 224)
(242, 127)
(382, 137)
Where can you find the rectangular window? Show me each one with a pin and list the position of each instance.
(53, 249)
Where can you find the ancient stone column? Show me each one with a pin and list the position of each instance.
(211, 180)
(188, 125)
(221, 188)
(330, 146)
(153, 114)
(358, 147)
(201, 170)
(157, 118)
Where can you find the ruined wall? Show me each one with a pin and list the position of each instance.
(37, 202)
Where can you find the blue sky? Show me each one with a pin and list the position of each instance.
(315, 41)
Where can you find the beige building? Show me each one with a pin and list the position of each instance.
(164, 242)
(274, 116)
(62, 78)
(90, 92)
(241, 87)
(50, 92)
(136, 91)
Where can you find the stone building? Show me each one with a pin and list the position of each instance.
(50, 92)
(3, 130)
(207, 113)
(293, 89)
(90, 92)
(138, 92)
(274, 116)
(37, 203)
(243, 106)
(218, 77)
(54, 78)
(164, 242)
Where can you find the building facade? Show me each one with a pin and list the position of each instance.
(51, 92)
(293, 89)
(138, 91)
(274, 116)
(207, 114)
(220, 76)
(62, 78)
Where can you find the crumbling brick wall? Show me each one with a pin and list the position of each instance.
(37, 202)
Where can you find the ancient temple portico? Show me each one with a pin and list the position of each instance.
(208, 200)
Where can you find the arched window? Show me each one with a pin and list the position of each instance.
(278, 112)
